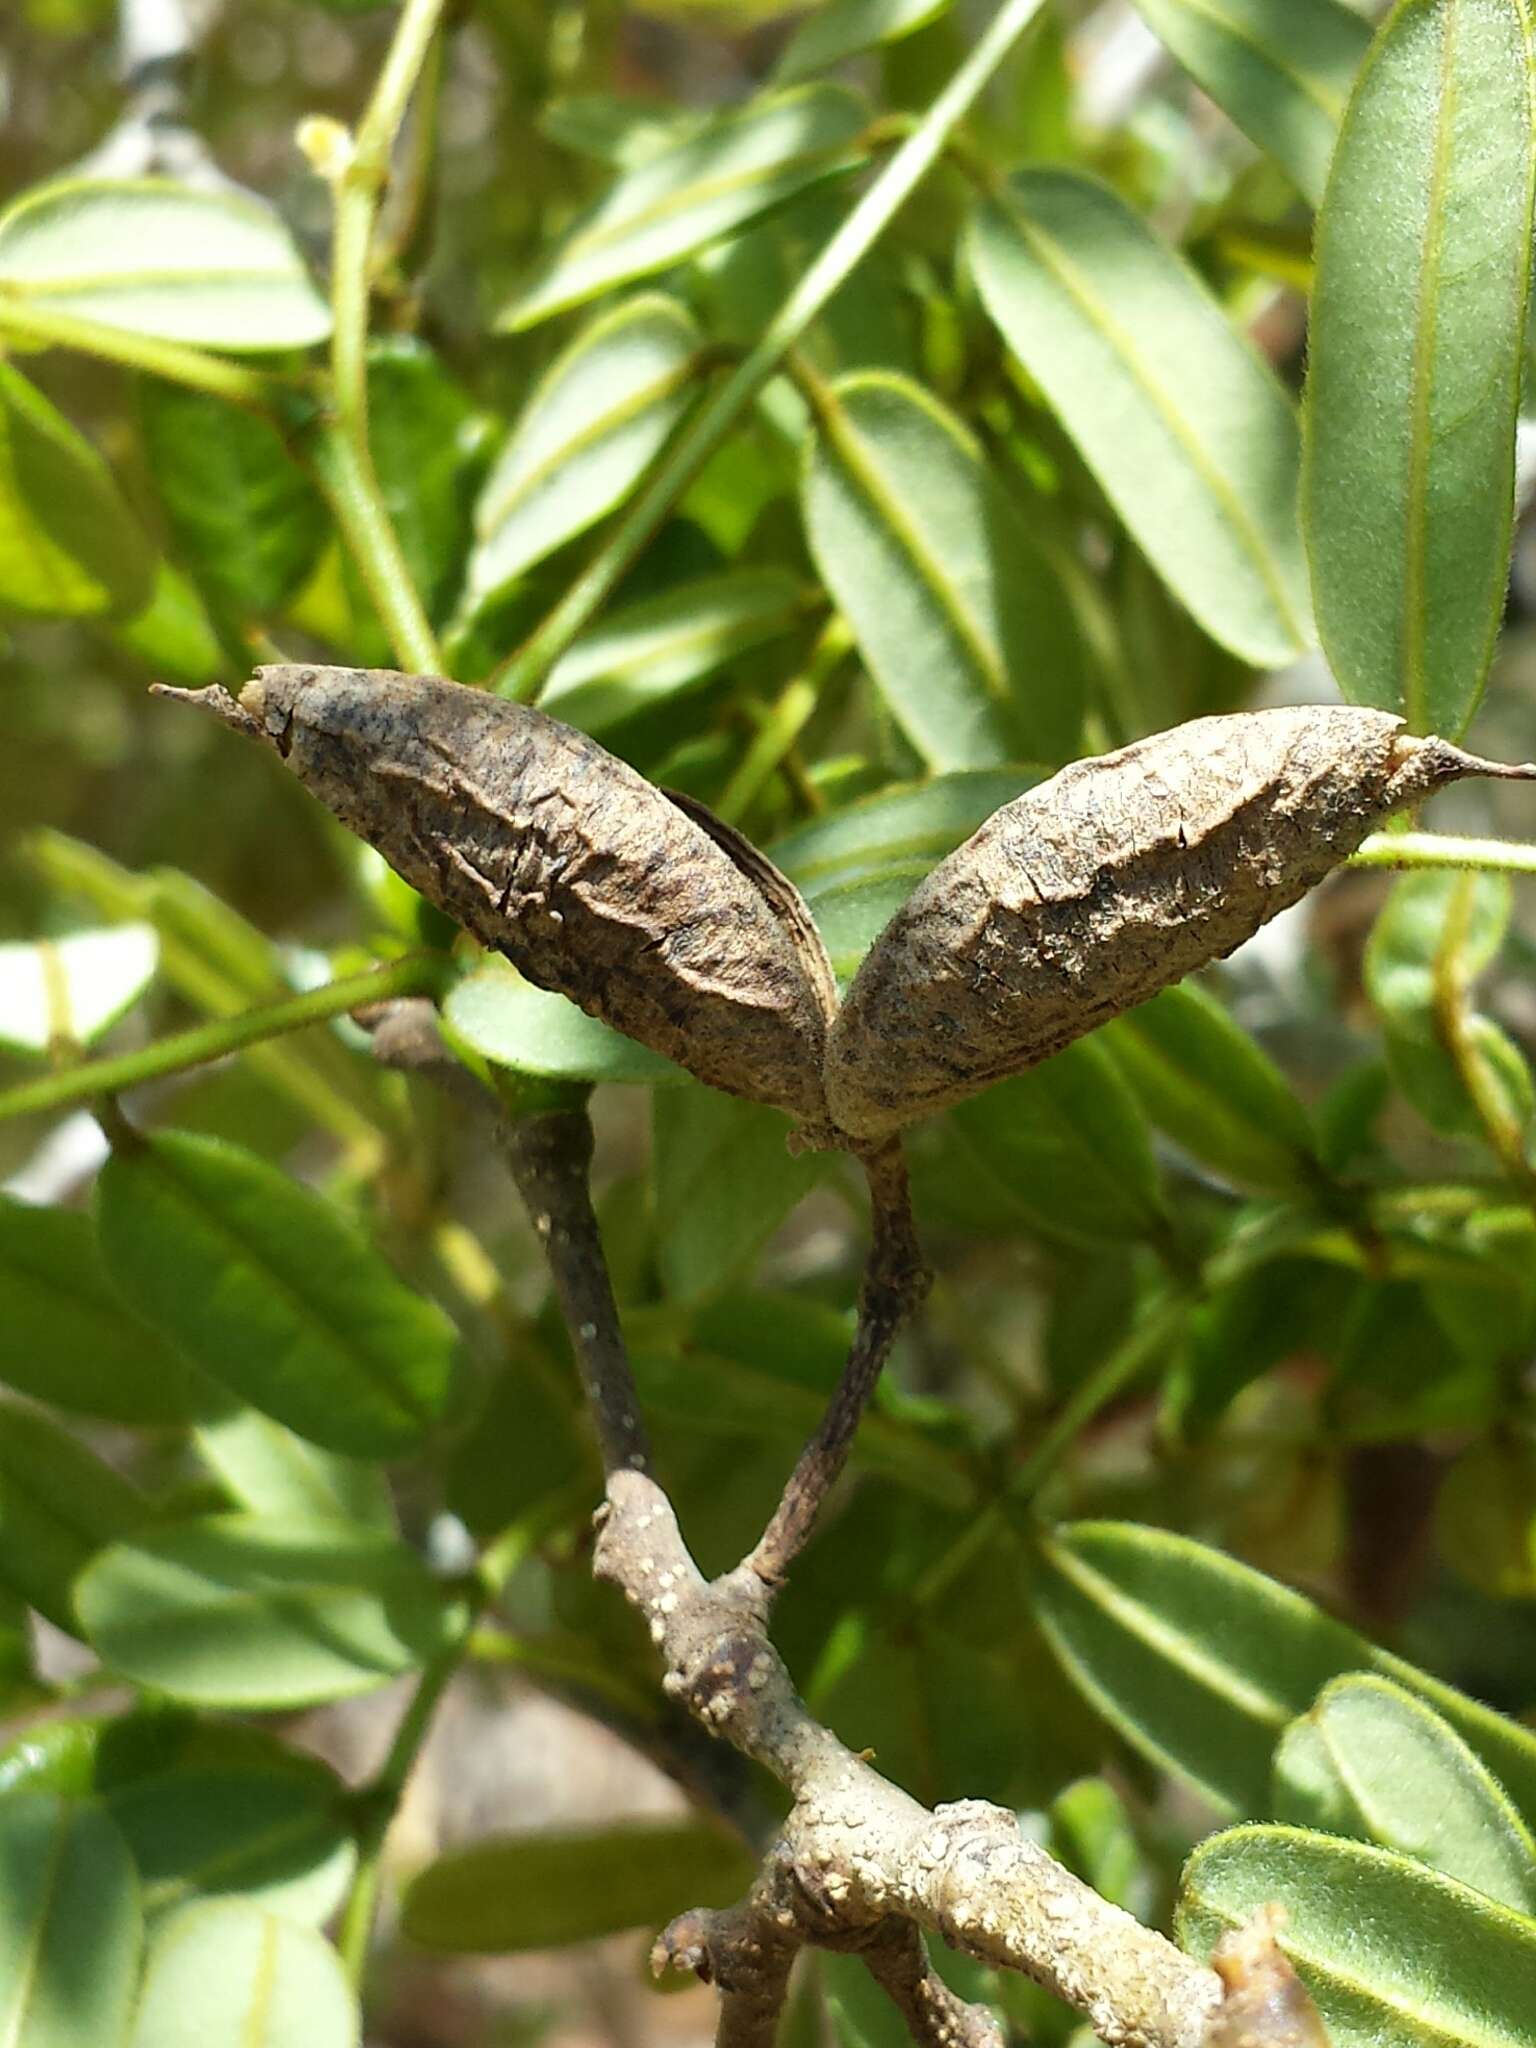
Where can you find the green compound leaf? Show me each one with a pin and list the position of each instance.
(1392, 1952)
(217, 268)
(274, 1294)
(1185, 427)
(228, 1975)
(71, 1927)
(1416, 342)
(699, 190)
(1282, 69)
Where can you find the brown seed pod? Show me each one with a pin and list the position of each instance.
(1091, 892)
(590, 880)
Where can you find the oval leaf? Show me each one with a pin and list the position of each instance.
(1282, 70)
(1200, 1662)
(70, 1926)
(69, 547)
(156, 258)
(960, 618)
(228, 1975)
(1416, 340)
(510, 1022)
(1391, 1951)
(68, 991)
(520, 1892)
(587, 435)
(274, 1294)
(267, 1468)
(1372, 1762)
(695, 192)
(1187, 430)
(245, 1611)
(59, 1504)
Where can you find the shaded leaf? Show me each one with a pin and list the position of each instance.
(59, 1504)
(228, 1975)
(1415, 343)
(961, 619)
(724, 1180)
(247, 1611)
(274, 1294)
(1282, 69)
(841, 28)
(172, 636)
(1391, 1951)
(176, 261)
(69, 546)
(1373, 1762)
(517, 1892)
(1485, 1515)
(68, 991)
(70, 1926)
(703, 187)
(1185, 427)
(590, 429)
(426, 442)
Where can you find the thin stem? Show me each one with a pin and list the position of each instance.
(848, 246)
(785, 721)
(1455, 1022)
(1436, 850)
(895, 1280)
(419, 975)
(169, 359)
(350, 486)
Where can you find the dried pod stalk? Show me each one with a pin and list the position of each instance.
(1266, 2004)
(590, 880)
(1103, 885)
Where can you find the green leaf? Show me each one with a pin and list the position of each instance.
(648, 652)
(228, 1975)
(270, 1470)
(591, 428)
(1415, 346)
(69, 546)
(1185, 427)
(247, 522)
(1273, 1311)
(245, 1611)
(427, 446)
(1282, 69)
(1485, 1515)
(68, 991)
(841, 28)
(1200, 1662)
(1070, 1145)
(70, 1926)
(172, 636)
(67, 1337)
(174, 261)
(274, 1294)
(961, 619)
(59, 1504)
(701, 189)
(724, 1181)
(510, 1022)
(1372, 1762)
(1204, 1081)
(517, 1892)
(1391, 1951)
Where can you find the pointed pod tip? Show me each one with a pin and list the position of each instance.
(217, 700)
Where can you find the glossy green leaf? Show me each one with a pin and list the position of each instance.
(270, 1470)
(702, 188)
(1185, 427)
(510, 1022)
(71, 1926)
(68, 1337)
(1201, 1662)
(724, 1180)
(247, 1611)
(841, 28)
(275, 1294)
(59, 1504)
(517, 1892)
(69, 546)
(656, 649)
(1282, 69)
(961, 619)
(228, 1975)
(247, 522)
(68, 991)
(1415, 345)
(1391, 1951)
(1069, 1142)
(1372, 1762)
(1213, 1090)
(426, 441)
(591, 428)
(175, 261)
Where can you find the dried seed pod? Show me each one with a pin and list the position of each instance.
(590, 880)
(1088, 894)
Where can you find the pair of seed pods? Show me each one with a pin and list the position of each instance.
(1073, 903)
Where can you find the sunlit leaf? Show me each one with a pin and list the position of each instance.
(509, 1021)
(68, 991)
(227, 1975)
(70, 1926)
